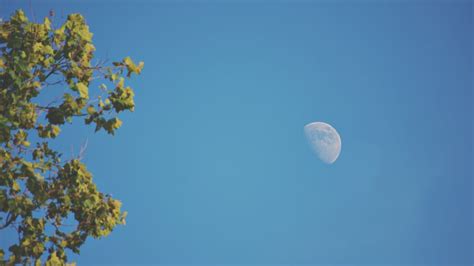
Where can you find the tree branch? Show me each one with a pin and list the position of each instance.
(10, 219)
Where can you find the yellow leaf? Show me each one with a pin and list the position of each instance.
(37, 47)
(90, 110)
(47, 23)
(53, 260)
(83, 90)
(15, 186)
(140, 67)
(25, 242)
(55, 131)
(128, 61)
(47, 49)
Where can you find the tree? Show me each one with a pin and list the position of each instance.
(54, 205)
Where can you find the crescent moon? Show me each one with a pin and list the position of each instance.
(324, 140)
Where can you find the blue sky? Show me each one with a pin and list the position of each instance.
(213, 166)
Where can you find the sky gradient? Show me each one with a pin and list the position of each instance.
(213, 166)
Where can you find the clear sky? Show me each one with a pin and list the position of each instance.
(213, 166)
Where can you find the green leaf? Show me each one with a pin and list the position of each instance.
(50, 131)
(55, 116)
(112, 124)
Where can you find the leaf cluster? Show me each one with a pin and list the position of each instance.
(39, 192)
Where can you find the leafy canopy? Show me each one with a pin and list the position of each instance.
(39, 193)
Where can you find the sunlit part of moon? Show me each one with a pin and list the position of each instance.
(324, 140)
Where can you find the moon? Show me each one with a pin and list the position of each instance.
(324, 140)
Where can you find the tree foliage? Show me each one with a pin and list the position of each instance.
(54, 205)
